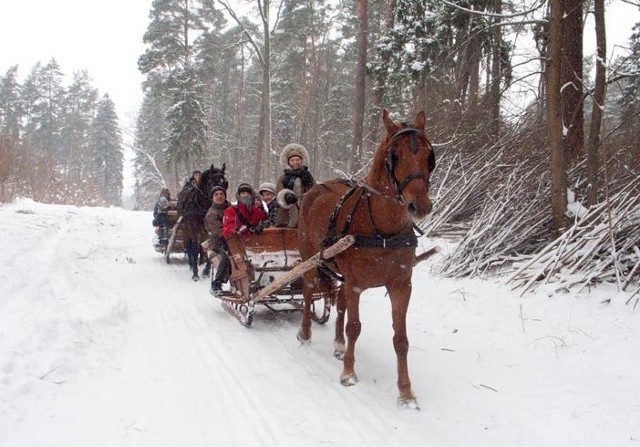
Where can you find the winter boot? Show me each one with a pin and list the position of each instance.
(193, 260)
(216, 287)
(164, 235)
(207, 269)
(195, 276)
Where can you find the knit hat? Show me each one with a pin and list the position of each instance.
(218, 188)
(267, 186)
(245, 187)
(291, 150)
(193, 174)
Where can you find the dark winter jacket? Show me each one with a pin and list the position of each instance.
(213, 223)
(192, 202)
(272, 211)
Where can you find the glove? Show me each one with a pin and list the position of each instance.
(290, 198)
(154, 223)
(258, 228)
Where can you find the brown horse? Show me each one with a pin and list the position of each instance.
(379, 211)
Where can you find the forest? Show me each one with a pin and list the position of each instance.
(536, 141)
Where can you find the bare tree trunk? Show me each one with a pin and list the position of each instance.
(264, 133)
(571, 78)
(234, 156)
(474, 82)
(598, 104)
(554, 117)
(360, 84)
(379, 89)
(496, 73)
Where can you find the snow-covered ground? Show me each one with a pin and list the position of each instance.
(104, 344)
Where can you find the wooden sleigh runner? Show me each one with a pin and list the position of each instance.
(175, 244)
(266, 269)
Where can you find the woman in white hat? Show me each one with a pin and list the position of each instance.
(293, 184)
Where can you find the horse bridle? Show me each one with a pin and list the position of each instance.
(217, 179)
(413, 146)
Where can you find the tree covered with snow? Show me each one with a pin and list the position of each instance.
(106, 148)
(175, 36)
(149, 147)
(50, 135)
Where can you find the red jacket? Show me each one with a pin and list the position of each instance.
(238, 216)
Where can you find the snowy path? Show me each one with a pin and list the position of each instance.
(104, 344)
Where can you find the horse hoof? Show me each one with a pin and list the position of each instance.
(349, 380)
(339, 355)
(408, 404)
(302, 339)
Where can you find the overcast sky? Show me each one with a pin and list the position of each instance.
(105, 38)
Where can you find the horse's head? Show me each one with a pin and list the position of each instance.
(409, 160)
(213, 177)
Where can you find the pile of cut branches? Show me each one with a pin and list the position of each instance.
(495, 201)
(508, 223)
(600, 246)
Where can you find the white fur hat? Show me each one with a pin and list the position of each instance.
(292, 149)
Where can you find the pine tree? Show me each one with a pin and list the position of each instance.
(48, 137)
(223, 66)
(148, 164)
(301, 46)
(175, 36)
(10, 106)
(186, 141)
(79, 110)
(42, 99)
(108, 156)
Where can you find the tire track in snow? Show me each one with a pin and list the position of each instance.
(317, 369)
(222, 373)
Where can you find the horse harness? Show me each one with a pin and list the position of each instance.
(401, 239)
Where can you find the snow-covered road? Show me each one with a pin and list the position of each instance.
(104, 344)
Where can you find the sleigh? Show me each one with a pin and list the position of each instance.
(175, 243)
(267, 270)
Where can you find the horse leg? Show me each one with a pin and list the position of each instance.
(339, 347)
(353, 327)
(399, 294)
(304, 333)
